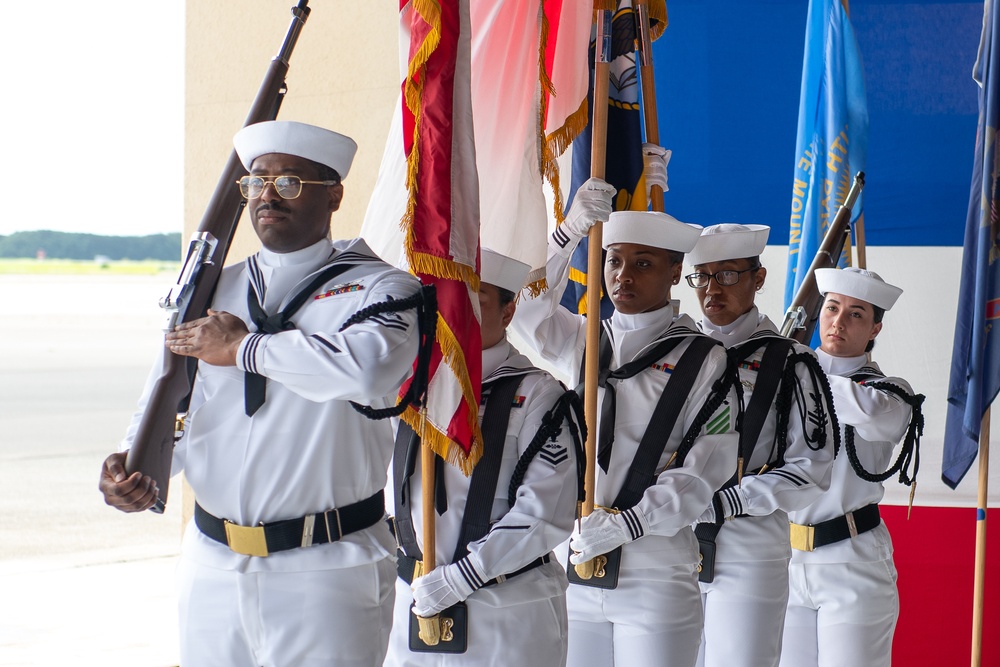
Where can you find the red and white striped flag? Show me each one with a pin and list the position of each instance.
(441, 221)
(529, 77)
(529, 95)
(529, 98)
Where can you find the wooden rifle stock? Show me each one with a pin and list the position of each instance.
(152, 447)
(802, 314)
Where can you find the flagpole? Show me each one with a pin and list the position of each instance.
(859, 241)
(859, 226)
(427, 483)
(648, 84)
(981, 507)
(429, 627)
(595, 261)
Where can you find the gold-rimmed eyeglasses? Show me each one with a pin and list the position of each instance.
(287, 187)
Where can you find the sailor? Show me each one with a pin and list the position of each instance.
(785, 460)
(665, 436)
(288, 560)
(843, 602)
(495, 531)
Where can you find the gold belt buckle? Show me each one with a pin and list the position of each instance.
(246, 540)
(801, 536)
(418, 569)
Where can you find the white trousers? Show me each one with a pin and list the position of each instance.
(653, 618)
(333, 618)
(744, 614)
(522, 634)
(840, 614)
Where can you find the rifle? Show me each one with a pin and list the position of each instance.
(802, 314)
(163, 419)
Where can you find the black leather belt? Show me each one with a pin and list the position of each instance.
(852, 524)
(409, 569)
(305, 531)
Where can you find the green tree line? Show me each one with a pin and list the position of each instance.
(69, 245)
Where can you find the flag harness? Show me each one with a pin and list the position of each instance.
(642, 472)
(777, 385)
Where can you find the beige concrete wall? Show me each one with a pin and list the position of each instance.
(343, 74)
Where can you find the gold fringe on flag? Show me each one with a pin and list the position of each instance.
(657, 18)
(452, 354)
(605, 6)
(554, 144)
(431, 435)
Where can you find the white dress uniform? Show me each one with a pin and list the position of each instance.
(522, 620)
(654, 615)
(305, 451)
(745, 603)
(843, 602)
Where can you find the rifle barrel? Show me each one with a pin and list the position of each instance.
(802, 314)
(152, 448)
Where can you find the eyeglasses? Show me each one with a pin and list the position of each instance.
(724, 278)
(287, 187)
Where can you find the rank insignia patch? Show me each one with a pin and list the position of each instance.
(340, 289)
(553, 453)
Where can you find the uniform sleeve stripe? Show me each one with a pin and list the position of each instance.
(325, 342)
(469, 574)
(734, 501)
(793, 478)
(250, 352)
(560, 237)
(632, 523)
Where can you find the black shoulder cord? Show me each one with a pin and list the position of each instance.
(567, 408)
(425, 301)
(910, 452)
(720, 391)
(790, 391)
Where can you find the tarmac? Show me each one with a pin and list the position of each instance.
(80, 583)
(119, 609)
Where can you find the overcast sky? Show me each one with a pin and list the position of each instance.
(92, 127)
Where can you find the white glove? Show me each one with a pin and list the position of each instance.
(729, 502)
(602, 531)
(655, 160)
(444, 586)
(591, 203)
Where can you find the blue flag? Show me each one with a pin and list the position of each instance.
(624, 148)
(832, 141)
(975, 357)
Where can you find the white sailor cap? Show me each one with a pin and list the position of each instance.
(650, 228)
(292, 138)
(728, 241)
(502, 271)
(859, 284)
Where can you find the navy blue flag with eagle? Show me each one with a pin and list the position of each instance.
(624, 145)
(975, 358)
